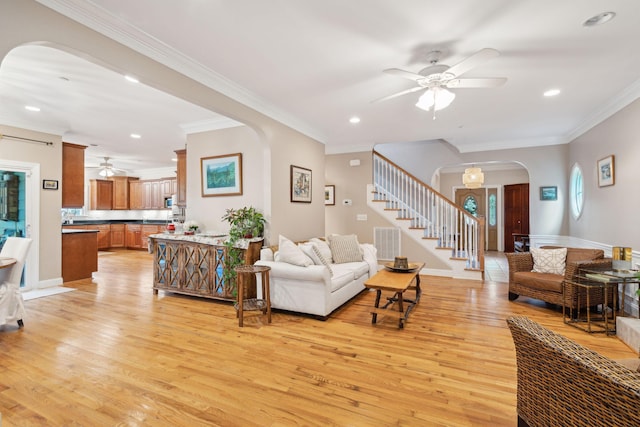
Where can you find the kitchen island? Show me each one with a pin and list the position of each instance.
(194, 265)
(79, 254)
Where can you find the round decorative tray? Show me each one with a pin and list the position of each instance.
(411, 267)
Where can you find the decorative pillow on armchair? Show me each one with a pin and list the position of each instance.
(549, 260)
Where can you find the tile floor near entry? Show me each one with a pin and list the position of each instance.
(496, 268)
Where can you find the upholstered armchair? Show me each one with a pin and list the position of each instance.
(11, 302)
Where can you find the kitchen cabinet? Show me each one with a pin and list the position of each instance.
(136, 198)
(104, 235)
(117, 235)
(121, 190)
(101, 194)
(72, 175)
(181, 178)
(169, 187)
(133, 234)
(79, 254)
(146, 231)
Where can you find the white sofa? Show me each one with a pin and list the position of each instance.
(317, 289)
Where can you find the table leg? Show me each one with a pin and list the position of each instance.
(374, 315)
(240, 292)
(418, 289)
(266, 294)
(400, 309)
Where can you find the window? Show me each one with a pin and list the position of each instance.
(493, 210)
(576, 191)
(471, 205)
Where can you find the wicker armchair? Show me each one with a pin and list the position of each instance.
(523, 282)
(561, 383)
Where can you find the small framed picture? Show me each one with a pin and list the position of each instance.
(606, 172)
(549, 193)
(300, 184)
(49, 184)
(330, 195)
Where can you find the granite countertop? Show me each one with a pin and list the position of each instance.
(118, 221)
(78, 231)
(205, 238)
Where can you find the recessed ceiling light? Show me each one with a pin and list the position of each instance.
(32, 108)
(131, 79)
(354, 120)
(600, 19)
(552, 92)
(136, 136)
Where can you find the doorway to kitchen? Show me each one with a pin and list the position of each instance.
(19, 211)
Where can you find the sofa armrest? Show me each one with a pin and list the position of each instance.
(370, 256)
(312, 273)
(518, 261)
(572, 268)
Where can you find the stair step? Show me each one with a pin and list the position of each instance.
(431, 238)
(405, 219)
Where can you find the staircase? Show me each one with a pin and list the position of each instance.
(450, 233)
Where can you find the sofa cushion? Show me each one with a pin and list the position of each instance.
(314, 253)
(583, 254)
(324, 248)
(549, 260)
(541, 281)
(345, 248)
(290, 253)
(342, 276)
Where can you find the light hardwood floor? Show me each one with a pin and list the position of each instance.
(112, 353)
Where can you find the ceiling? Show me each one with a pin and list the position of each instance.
(314, 64)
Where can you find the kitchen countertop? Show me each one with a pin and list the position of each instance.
(118, 221)
(78, 231)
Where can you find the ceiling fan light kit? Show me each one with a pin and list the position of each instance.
(437, 78)
(473, 177)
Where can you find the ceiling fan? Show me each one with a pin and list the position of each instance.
(437, 78)
(106, 168)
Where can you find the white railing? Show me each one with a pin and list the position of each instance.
(428, 210)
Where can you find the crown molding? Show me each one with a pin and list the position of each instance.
(510, 144)
(115, 28)
(209, 124)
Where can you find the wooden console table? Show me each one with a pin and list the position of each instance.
(194, 265)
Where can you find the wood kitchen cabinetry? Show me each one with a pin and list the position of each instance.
(101, 194)
(121, 189)
(103, 235)
(72, 175)
(181, 184)
(117, 236)
(148, 230)
(133, 234)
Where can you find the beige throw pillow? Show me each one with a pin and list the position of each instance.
(290, 253)
(312, 251)
(324, 248)
(549, 260)
(345, 248)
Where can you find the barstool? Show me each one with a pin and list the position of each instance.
(251, 304)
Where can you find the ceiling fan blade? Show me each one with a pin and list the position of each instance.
(395, 95)
(477, 83)
(404, 74)
(473, 61)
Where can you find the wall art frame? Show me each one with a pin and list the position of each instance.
(49, 184)
(300, 184)
(606, 171)
(221, 175)
(329, 195)
(549, 193)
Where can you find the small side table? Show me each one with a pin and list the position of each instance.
(251, 304)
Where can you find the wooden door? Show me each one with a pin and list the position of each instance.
(516, 213)
(473, 201)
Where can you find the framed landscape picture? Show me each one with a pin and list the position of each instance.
(606, 173)
(329, 195)
(300, 184)
(221, 175)
(549, 193)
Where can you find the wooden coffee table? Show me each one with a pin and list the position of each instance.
(397, 282)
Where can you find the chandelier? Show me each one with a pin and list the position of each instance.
(473, 177)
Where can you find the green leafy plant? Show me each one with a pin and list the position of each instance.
(245, 222)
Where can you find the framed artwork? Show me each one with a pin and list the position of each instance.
(49, 184)
(300, 184)
(330, 195)
(221, 175)
(606, 172)
(549, 193)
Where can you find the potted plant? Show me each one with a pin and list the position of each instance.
(245, 223)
